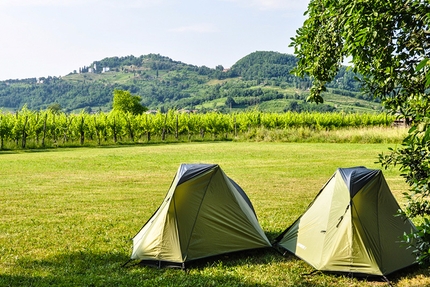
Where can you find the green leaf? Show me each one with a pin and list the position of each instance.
(422, 64)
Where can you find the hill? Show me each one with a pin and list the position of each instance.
(259, 80)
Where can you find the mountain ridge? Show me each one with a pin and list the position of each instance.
(260, 80)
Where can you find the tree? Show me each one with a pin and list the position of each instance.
(55, 108)
(388, 43)
(230, 102)
(293, 106)
(126, 102)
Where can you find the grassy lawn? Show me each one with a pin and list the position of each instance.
(68, 214)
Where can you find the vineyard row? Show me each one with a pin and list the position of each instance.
(34, 129)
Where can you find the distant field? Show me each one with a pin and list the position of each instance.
(68, 214)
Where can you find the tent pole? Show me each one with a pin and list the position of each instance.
(123, 265)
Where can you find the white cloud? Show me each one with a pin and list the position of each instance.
(131, 3)
(198, 28)
(299, 5)
(109, 3)
(30, 3)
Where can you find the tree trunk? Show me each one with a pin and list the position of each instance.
(44, 130)
(24, 133)
(115, 139)
(177, 128)
(82, 132)
(163, 134)
(1, 134)
(235, 127)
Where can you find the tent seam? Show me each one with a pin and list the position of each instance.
(198, 211)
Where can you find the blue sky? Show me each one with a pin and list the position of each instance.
(41, 38)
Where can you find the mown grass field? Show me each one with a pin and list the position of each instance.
(68, 214)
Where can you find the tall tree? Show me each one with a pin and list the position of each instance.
(388, 44)
(126, 102)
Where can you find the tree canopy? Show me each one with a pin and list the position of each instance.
(387, 43)
(125, 102)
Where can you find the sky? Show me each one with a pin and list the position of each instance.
(41, 38)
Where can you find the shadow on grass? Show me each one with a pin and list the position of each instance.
(255, 257)
(106, 146)
(105, 269)
(87, 268)
(271, 235)
(409, 276)
(411, 272)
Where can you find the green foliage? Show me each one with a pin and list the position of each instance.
(30, 129)
(164, 83)
(420, 239)
(6, 126)
(265, 65)
(55, 107)
(125, 102)
(388, 44)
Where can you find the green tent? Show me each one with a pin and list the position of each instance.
(351, 226)
(204, 213)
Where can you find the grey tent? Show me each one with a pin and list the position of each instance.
(351, 226)
(204, 213)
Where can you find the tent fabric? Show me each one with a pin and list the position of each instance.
(188, 171)
(356, 177)
(204, 213)
(351, 226)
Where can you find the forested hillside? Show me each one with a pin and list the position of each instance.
(260, 80)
